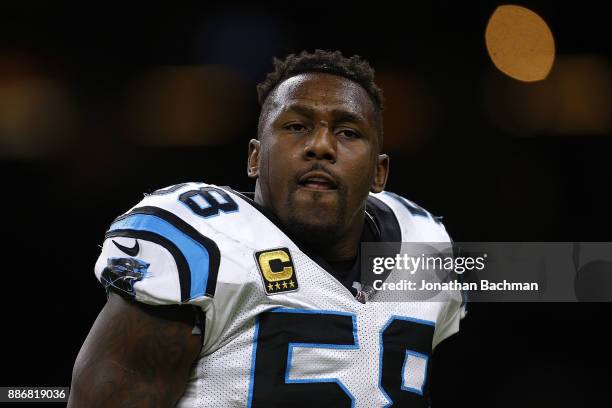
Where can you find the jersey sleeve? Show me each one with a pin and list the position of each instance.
(454, 310)
(416, 223)
(419, 225)
(156, 255)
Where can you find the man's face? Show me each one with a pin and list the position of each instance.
(317, 155)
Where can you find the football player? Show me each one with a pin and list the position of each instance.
(223, 299)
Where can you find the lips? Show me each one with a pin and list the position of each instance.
(318, 180)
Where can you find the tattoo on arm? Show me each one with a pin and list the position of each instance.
(136, 356)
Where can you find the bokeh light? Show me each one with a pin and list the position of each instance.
(575, 99)
(38, 117)
(187, 106)
(408, 109)
(520, 43)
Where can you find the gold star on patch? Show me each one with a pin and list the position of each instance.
(291, 284)
(277, 285)
(270, 287)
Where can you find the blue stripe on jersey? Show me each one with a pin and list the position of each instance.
(195, 253)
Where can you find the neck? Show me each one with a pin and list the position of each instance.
(346, 247)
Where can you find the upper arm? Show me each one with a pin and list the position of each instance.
(135, 355)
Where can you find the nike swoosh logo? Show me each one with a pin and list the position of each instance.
(130, 251)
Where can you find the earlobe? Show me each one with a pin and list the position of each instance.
(381, 173)
(253, 159)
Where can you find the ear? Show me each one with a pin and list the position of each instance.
(381, 172)
(253, 159)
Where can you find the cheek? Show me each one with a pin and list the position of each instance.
(360, 170)
(280, 158)
(276, 167)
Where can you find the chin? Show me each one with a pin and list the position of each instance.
(314, 230)
(313, 218)
(313, 225)
(316, 200)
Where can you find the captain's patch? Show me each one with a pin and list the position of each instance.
(277, 271)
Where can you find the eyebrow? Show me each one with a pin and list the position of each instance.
(340, 115)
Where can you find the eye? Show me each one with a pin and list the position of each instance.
(350, 134)
(295, 127)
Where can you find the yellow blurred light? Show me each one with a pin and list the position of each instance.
(408, 110)
(37, 117)
(575, 99)
(520, 43)
(187, 105)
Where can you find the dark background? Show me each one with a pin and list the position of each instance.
(99, 104)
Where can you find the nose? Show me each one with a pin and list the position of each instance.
(322, 145)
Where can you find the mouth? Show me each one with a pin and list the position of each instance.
(318, 181)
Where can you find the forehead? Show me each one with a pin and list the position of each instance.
(324, 91)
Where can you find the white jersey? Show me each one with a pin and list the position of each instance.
(279, 329)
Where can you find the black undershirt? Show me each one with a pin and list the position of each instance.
(349, 271)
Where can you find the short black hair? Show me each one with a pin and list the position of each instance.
(354, 68)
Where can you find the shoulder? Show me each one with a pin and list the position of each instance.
(218, 212)
(191, 200)
(418, 225)
(415, 222)
(167, 248)
(190, 209)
